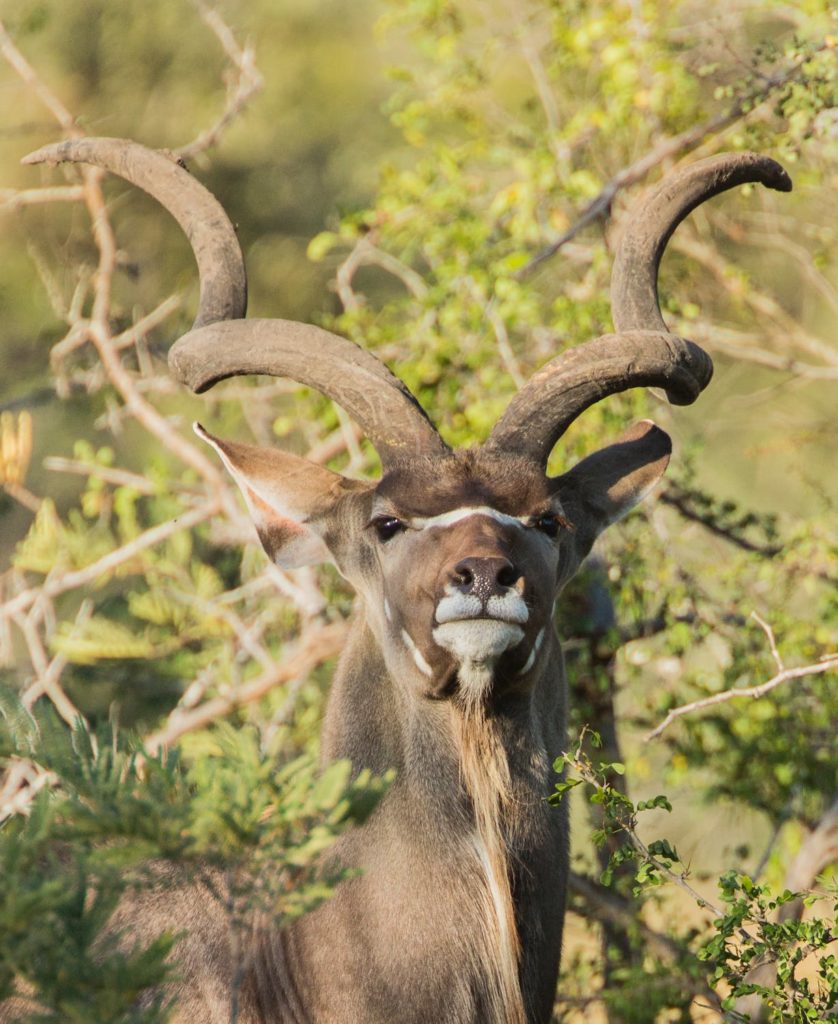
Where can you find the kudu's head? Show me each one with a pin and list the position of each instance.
(457, 556)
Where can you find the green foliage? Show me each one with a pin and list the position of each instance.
(256, 834)
(503, 124)
(749, 934)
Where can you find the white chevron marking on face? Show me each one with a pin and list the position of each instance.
(458, 514)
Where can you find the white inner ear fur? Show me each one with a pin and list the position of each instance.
(272, 510)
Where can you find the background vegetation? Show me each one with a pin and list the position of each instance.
(443, 182)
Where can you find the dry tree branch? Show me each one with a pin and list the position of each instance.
(117, 477)
(47, 682)
(772, 316)
(830, 662)
(677, 145)
(826, 664)
(21, 65)
(148, 322)
(97, 328)
(21, 787)
(505, 352)
(315, 647)
(57, 584)
(247, 83)
(775, 240)
(673, 497)
(15, 199)
(741, 346)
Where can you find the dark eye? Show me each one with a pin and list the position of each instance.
(548, 523)
(387, 526)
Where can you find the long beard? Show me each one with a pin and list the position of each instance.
(486, 776)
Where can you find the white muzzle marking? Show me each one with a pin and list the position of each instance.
(478, 641)
(509, 607)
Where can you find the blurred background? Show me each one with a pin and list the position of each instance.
(444, 182)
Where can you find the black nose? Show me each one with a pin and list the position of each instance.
(484, 577)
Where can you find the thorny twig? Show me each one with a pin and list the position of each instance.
(14, 199)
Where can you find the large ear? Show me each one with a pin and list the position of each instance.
(288, 498)
(603, 487)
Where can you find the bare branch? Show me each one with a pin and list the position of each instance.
(147, 323)
(314, 648)
(246, 84)
(22, 789)
(679, 144)
(677, 499)
(60, 584)
(48, 681)
(22, 66)
(772, 315)
(742, 346)
(100, 334)
(117, 477)
(772, 641)
(828, 663)
(16, 199)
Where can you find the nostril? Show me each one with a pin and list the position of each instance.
(463, 575)
(508, 575)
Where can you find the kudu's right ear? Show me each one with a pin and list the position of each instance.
(288, 498)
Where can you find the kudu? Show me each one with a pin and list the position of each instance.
(453, 674)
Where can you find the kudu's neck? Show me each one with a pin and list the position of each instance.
(472, 776)
(382, 719)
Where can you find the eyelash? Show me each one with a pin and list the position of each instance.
(387, 527)
(550, 523)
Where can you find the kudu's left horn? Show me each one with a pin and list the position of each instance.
(643, 352)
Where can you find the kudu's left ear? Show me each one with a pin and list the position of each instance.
(288, 498)
(603, 487)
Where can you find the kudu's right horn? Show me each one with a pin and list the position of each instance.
(221, 344)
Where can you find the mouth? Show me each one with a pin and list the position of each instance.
(478, 640)
(509, 609)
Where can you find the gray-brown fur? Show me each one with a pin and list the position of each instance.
(453, 673)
